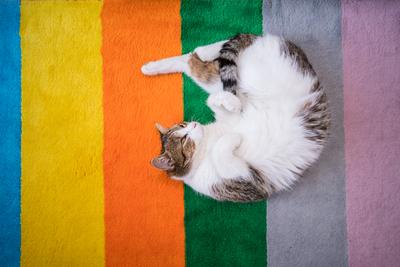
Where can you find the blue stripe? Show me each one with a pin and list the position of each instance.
(10, 133)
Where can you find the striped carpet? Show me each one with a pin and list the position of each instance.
(77, 134)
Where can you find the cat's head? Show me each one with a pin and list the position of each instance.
(178, 146)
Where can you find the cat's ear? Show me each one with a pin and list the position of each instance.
(163, 162)
(161, 128)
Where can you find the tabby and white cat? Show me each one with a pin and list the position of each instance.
(271, 118)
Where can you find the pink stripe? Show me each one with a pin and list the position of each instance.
(371, 62)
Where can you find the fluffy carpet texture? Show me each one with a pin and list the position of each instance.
(77, 134)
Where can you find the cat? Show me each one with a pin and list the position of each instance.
(271, 118)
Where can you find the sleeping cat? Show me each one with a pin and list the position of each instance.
(271, 118)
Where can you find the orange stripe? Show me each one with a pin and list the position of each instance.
(143, 208)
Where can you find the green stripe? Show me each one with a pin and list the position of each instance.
(219, 234)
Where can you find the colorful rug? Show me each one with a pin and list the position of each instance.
(77, 134)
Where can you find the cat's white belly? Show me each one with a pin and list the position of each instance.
(275, 142)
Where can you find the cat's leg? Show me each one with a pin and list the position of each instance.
(204, 73)
(199, 66)
(200, 58)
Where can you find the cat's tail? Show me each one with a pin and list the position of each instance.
(227, 60)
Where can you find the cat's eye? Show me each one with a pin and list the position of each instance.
(183, 125)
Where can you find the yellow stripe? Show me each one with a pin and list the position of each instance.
(62, 134)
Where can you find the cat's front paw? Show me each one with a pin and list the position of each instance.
(226, 100)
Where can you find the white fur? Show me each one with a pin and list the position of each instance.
(260, 129)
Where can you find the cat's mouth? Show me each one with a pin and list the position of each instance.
(192, 126)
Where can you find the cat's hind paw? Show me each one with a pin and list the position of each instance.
(150, 68)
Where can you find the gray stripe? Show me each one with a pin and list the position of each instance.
(307, 226)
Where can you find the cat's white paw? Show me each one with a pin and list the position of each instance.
(226, 100)
(150, 68)
(232, 103)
